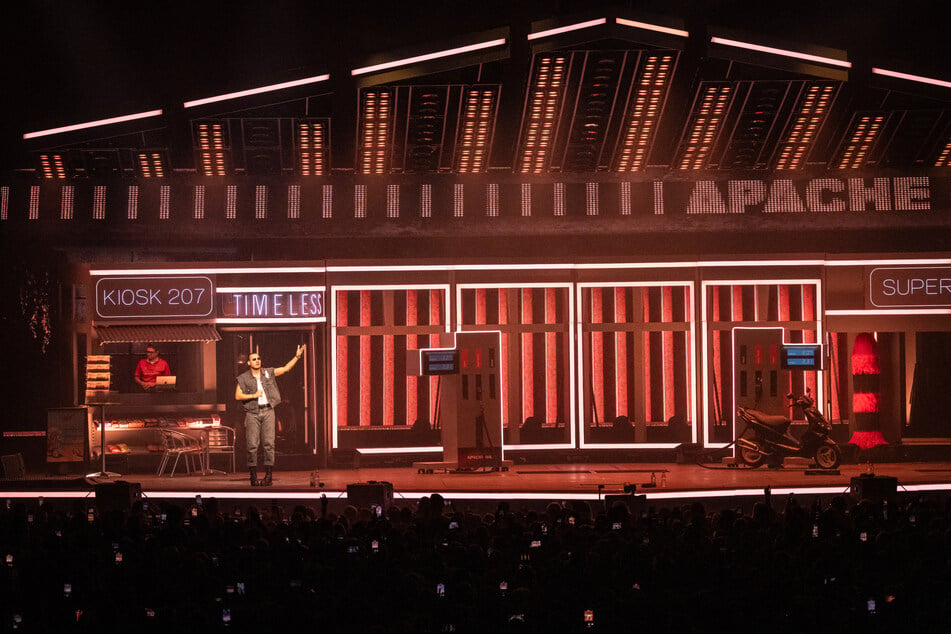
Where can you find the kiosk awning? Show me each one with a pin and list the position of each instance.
(157, 333)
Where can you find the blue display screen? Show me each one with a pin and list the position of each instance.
(440, 362)
(802, 357)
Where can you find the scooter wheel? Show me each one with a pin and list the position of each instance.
(828, 456)
(751, 457)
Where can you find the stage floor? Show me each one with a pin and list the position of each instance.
(585, 481)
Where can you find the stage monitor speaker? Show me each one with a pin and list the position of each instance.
(370, 494)
(117, 496)
(13, 467)
(874, 488)
(689, 453)
(632, 500)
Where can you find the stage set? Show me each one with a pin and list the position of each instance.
(577, 250)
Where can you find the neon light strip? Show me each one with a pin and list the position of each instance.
(270, 320)
(781, 51)
(93, 124)
(894, 311)
(880, 262)
(257, 91)
(526, 267)
(268, 289)
(917, 78)
(390, 450)
(651, 27)
(427, 57)
(209, 271)
(566, 29)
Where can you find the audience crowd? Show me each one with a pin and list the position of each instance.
(785, 565)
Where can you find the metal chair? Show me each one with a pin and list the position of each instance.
(177, 444)
(221, 441)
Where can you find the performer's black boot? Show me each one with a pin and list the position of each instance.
(266, 482)
(254, 476)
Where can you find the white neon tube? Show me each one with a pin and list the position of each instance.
(652, 27)
(257, 91)
(93, 124)
(781, 51)
(918, 78)
(566, 29)
(428, 56)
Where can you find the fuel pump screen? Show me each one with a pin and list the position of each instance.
(437, 362)
(801, 357)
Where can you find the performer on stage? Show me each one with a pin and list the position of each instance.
(150, 367)
(257, 389)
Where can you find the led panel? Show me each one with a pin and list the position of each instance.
(542, 109)
(151, 163)
(52, 165)
(810, 114)
(706, 122)
(476, 129)
(645, 104)
(212, 147)
(313, 146)
(863, 133)
(375, 130)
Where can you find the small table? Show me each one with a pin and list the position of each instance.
(102, 473)
(205, 448)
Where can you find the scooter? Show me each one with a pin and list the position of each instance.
(766, 437)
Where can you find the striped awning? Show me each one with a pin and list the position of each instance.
(157, 333)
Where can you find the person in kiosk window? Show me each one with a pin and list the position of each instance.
(257, 389)
(150, 367)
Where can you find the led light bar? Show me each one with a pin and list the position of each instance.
(781, 51)
(257, 91)
(93, 124)
(544, 105)
(567, 29)
(312, 146)
(427, 57)
(918, 78)
(863, 133)
(651, 27)
(944, 156)
(478, 118)
(375, 131)
(811, 113)
(644, 112)
(706, 122)
(53, 166)
(150, 164)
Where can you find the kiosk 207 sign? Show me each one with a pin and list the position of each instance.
(158, 297)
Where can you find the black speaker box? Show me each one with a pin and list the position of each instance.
(688, 453)
(632, 500)
(370, 494)
(117, 496)
(874, 488)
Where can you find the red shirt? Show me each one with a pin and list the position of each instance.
(147, 371)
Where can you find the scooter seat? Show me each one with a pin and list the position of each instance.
(772, 420)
